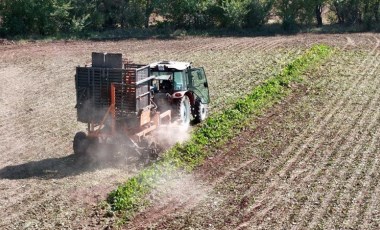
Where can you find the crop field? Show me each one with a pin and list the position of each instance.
(309, 161)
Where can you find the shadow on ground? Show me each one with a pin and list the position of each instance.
(56, 168)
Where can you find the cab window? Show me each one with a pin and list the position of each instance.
(179, 81)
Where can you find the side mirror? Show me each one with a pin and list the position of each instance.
(205, 85)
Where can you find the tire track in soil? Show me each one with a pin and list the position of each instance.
(322, 120)
(339, 137)
(290, 166)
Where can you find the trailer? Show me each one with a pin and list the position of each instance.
(114, 99)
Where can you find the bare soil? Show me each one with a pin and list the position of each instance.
(309, 162)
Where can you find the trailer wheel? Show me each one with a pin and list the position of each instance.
(200, 111)
(80, 143)
(184, 110)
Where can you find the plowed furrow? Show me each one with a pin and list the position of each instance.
(271, 188)
(342, 153)
(300, 151)
(355, 186)
(322, 119)
(336, 178)
(326, 181)
(368, 201)
(277, 198)
(224, 44)
(348, 209)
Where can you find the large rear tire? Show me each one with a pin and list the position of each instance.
(80, 143)
(184, 110)
(200, 111)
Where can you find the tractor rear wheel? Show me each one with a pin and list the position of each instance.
(184, 110)
(80, 143)
(200, 111)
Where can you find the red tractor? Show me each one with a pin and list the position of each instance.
(122, 102)
(181, 88)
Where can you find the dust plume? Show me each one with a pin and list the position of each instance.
(173, 192)
(168, 135)
(181, 189)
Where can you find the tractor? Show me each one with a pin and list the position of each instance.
(183, 88)
(122, 102)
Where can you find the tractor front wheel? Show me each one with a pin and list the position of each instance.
(80, 143)
(184, 110)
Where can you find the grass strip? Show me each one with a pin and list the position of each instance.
(217, 129)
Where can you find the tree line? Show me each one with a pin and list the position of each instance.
(50, 17)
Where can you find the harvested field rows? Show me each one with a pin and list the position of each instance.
(310, 163)
(44, 186)
(330, 159)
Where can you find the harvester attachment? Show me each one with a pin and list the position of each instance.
(114, 99)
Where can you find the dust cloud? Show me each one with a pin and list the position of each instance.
(168, 135)
(122, 151)
(180, 189)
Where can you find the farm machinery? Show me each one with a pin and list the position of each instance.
(122, 103)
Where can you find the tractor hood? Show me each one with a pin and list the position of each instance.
(162, 65)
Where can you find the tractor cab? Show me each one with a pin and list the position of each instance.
(170, 77)
(181, 86)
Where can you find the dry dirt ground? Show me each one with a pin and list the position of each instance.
(309, 162)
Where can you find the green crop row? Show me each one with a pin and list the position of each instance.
(218, 128)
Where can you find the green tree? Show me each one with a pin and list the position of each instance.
(289, 11)
(356, 11)
(294, 12)
(180, 13)
(258, 11)
(347, 11)
(42, 17)
(235, 12)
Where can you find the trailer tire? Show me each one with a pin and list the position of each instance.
(80, 143)
(200, 111)
(184, 110)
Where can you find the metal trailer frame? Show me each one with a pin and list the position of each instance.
(115, 99)
(147, 122)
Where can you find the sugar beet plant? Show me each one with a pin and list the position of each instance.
(129, 196)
